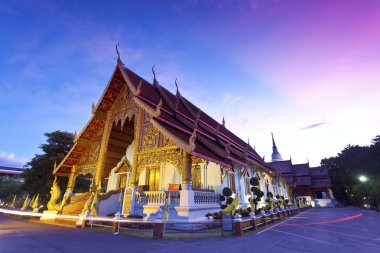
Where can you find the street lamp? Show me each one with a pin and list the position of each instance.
(363, 179)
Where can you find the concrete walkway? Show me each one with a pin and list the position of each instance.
(317, 230)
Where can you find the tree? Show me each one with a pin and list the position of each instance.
(348, 165)
(39, 171)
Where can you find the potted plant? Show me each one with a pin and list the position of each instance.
(256, 194)
(229, 206)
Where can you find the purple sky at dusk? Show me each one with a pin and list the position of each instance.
(307, 70)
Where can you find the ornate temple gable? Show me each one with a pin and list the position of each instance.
(151, 139)
(124, 107)
(118, 101)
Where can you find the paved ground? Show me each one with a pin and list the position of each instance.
(317, 230)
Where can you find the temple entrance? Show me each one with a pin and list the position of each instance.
(119, 145)
(153, 178)
(82, 183)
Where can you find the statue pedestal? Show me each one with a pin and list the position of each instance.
(49, 215)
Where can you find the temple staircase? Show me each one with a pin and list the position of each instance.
(74, 207)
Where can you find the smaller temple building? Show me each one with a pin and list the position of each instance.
(11, 173)
(313, 183)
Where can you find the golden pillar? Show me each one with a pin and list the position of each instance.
(71, 183)
(137, 136)
(186, 170)
(103, 152)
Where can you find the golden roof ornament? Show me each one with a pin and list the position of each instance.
(118, 54)
(176, 85)
(155, 82)
(93, 108)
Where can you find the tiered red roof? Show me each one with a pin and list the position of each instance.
(175, 115)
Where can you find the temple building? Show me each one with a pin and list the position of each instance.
(311, 182)
(144, 144)
(11, 174)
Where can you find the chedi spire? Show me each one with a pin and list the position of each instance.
(276, 156)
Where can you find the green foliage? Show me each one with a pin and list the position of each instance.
(348, 165)
(227, 191)
(254, 181)
(255, 190)
(222, 198)
(9, 188)
(39, 171)
(229, 200)
(270, 195)
(266, 208)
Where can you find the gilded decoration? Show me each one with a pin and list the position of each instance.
(124, 107)
(87, 163)
(55, 193)
(159, 156)
(168, 143)
(150, 138)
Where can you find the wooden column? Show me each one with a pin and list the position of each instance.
(187, 193)
(103, 152)
(186, 170)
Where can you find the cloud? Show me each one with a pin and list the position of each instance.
(10, 159)
(313, 125)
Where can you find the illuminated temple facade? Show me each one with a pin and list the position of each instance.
(144, 144)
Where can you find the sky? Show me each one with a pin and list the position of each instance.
(307, 70)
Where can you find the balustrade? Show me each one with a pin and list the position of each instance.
(157, 197)
(206, 198)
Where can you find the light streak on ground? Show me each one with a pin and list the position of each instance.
(100, 218)
(324, 222)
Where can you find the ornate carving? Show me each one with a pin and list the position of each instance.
(159, 156)
(124, 107)
(55, 192)
(87, 163)
(168, 143)
(150, 138)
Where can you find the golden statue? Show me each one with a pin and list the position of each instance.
(55, 192)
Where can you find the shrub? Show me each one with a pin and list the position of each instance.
(227, 191)
(254, 181)
(255, 190)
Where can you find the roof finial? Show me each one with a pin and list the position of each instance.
(75, 136)
(274, 144)
(223, 121)
(154, 74)
(290, 158)
(117, 51)
(254, 147)
(55, 164)
(248, 140)
(176, 85)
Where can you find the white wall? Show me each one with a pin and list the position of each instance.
(169, 175)
(214, 177)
